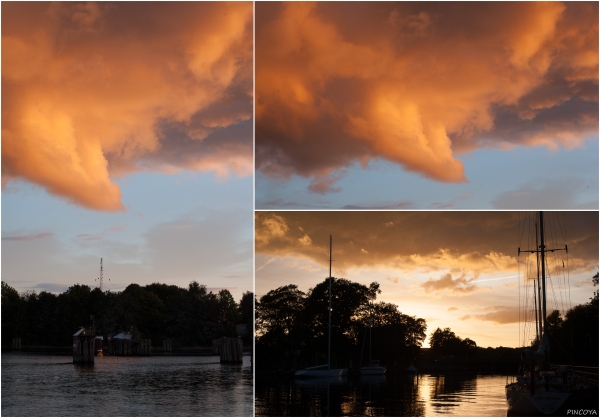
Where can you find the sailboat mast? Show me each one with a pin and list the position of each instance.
(370, 337)
(536, 290)
(543, 262)
(329, 340)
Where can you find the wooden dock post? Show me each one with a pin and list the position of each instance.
(16, 344)
(167, 346)
(145, 347)
(230, 350)
(83, 346)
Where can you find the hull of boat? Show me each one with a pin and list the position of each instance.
(372, 370)
(307, 373)
(543, 402)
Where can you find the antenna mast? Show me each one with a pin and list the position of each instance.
(101, 274)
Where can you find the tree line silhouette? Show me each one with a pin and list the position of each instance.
(189, 317)
(292, 329)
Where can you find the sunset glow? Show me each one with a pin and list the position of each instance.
(454, 269)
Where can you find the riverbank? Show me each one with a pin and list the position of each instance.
(156, 351)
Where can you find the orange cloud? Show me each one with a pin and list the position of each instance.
(97, 90)
(419, 83)
(500, 315)
(458, 285)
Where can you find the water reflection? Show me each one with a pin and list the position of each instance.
(402, 395)
(34, 385)
(448, 392)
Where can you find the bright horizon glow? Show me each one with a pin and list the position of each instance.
(467, 302)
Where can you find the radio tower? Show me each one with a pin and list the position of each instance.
(100, 278)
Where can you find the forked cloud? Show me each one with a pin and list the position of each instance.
(419, 84)
(94, 91)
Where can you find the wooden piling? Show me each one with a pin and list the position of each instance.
(230, 350)
(145, 347)
(16, 344)
(83, 346)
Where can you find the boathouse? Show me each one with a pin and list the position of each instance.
(120, 344)
(123, 344)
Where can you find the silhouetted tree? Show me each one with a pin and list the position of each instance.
(447, 343)
(13, 311)
(292, 326)
(246, 314)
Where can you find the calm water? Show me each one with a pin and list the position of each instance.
(40, 385)
(424, 395)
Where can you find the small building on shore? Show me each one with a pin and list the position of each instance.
(123, 344)
(120, 344)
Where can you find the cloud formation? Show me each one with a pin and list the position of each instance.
(446, 282)
(27, 238)
(419, 83)
(457, 246)
(497, 314)
(92, 91)
(560, 193)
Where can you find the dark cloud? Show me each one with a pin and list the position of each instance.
(405, 204)
(455, 242)
(52, 287)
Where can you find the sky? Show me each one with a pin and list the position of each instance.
(127, 136)
(426, 105)
(456, 269)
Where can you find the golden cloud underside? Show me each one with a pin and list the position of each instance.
(475, 242)
(417, 83)
(89, 90)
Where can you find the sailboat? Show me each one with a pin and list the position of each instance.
(541, 389)
(373, 368)
(324, 370)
